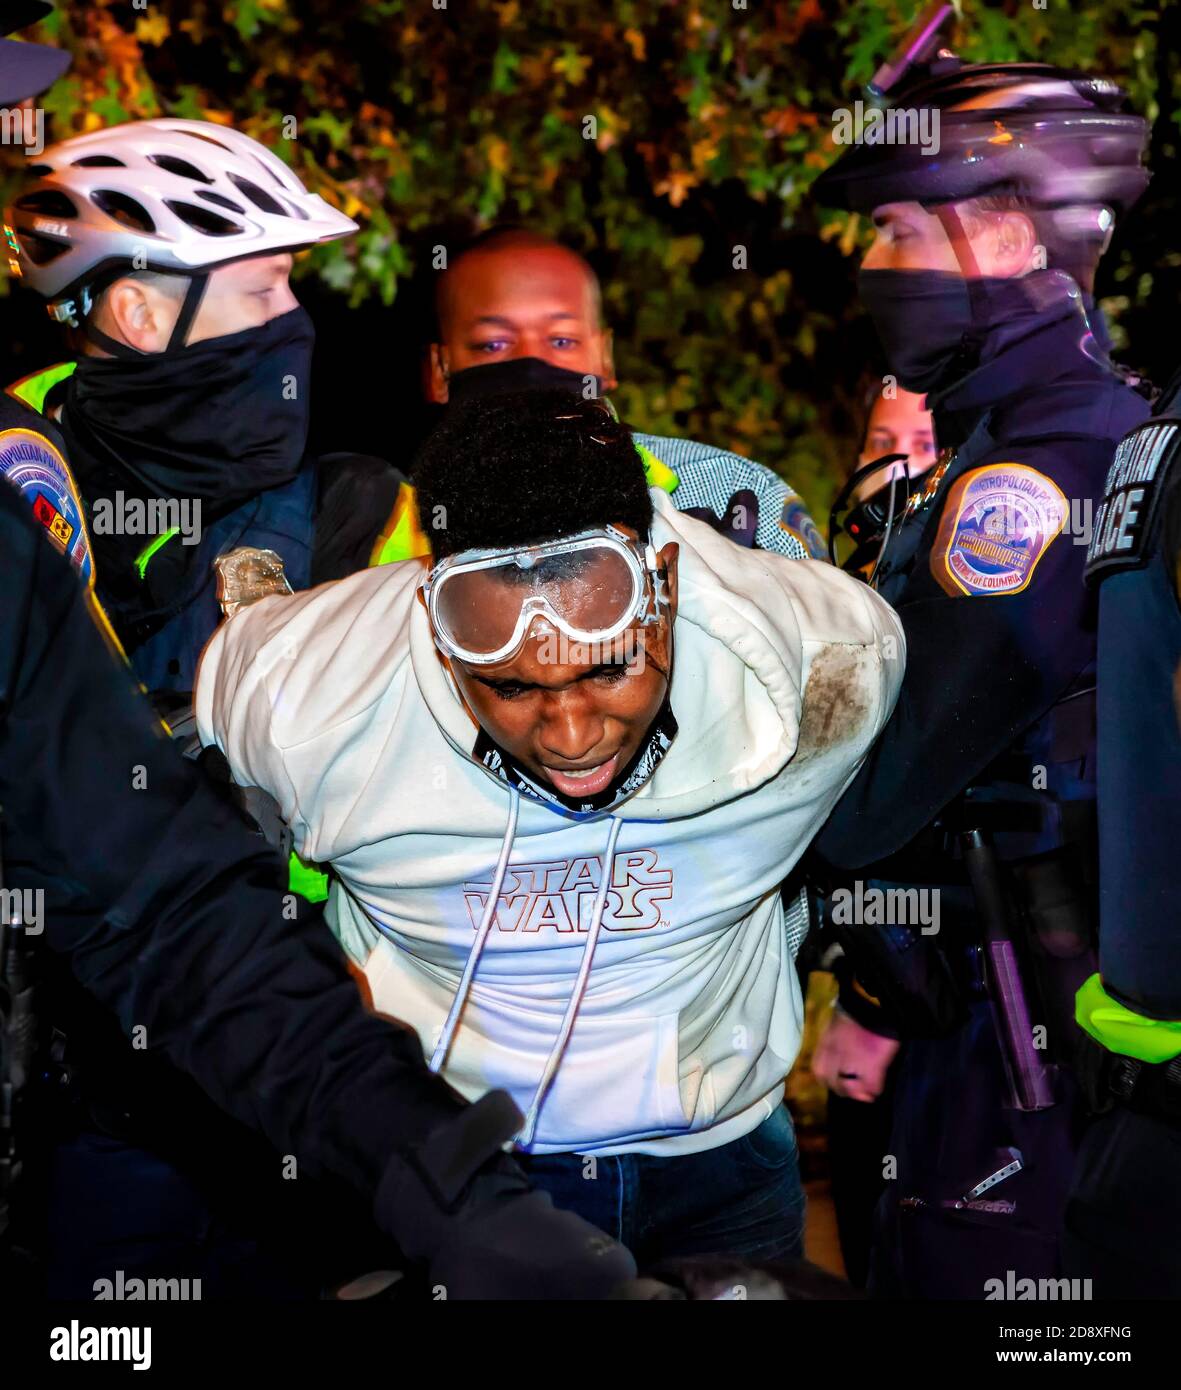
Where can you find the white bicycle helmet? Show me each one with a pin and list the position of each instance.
(165, 195)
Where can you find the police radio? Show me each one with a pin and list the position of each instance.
(871, 520)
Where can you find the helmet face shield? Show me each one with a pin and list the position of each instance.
(590, 587)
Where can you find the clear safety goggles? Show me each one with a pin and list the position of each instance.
(591, 587)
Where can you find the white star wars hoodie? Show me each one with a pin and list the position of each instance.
(656, 1014)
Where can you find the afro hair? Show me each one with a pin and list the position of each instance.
(528, 467)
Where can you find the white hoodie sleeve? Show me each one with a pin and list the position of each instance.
(290, 688)
(779, 662)
(234, 699)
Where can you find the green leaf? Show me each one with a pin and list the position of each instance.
(504, 64)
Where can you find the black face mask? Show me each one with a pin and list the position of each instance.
(937, 327)
(220, 420)
(519, 374)
(924, 321)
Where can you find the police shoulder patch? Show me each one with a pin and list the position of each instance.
(797, 521)
(997, 523)
(37, 470)
(1122, 534)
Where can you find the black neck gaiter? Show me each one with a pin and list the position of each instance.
(937, 328)
(519, 374)
(969, 344)
(219, 421)
(1036, 330)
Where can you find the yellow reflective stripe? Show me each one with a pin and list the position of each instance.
(658, 474)
(402, 537)
(33, 389)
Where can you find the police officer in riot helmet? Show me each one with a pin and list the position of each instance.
(967, 926)
(1123, 1221)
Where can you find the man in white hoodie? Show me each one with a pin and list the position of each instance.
(560, 778)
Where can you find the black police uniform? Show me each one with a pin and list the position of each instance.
(981, 786)
(138, 1128)
(998, 696)
(168, 911)
(1123, 1227)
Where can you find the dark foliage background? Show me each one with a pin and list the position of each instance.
(710, 123)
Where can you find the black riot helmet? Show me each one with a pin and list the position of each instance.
(1053, 137)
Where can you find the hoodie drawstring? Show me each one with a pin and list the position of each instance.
(525, 1138)
(554, 1060)
(473, 956)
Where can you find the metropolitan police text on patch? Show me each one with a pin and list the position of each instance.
(38, 471)
(998, 522)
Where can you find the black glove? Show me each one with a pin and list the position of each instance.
(740, 522)
(460, 1205)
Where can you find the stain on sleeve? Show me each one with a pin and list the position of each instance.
(837, 701)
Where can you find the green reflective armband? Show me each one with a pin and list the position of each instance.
(306, 880)
(658, 474)
(1120, 1030)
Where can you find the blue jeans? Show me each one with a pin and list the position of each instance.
(743, 1198)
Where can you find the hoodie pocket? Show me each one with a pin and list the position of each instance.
(619, 1074)
(698, 1098)
(618, 1078)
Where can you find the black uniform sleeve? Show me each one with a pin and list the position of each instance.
(170, 911)
(357, 493)
(981, 669)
